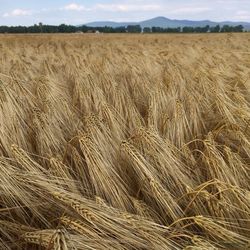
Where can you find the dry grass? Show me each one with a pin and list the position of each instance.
(125, 142)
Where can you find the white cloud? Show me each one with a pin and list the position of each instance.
(190, 10)
(242, 15)
(242, 12)
(150, 7)
(228, 2)
(242, 18)
(17, 12)
(127, 7)
(74, 7)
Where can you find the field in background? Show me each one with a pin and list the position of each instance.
(125, 141)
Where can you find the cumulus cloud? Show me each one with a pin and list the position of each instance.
(17, 12)
(190, 10)
(228, 2)
(127, 7)
(74, 7)
(242, 15)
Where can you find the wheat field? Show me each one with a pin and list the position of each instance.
(125, 142)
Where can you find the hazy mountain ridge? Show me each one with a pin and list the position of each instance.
(167, 23)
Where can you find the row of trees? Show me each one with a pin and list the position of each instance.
(205, 29)
(63, 28)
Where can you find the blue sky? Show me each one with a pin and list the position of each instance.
(28, 12)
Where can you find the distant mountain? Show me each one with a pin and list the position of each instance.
(167, 23)
(109, 24)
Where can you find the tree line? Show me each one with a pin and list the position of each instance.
(187, 29)
(63, 28)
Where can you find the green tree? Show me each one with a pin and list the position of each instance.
(121, 29)
(173, 30)
(227, 29)
(215, 29)
(157, 30)
(41, 27)
(238, 28)
(146, 30)
(188, 29)
(63, 28)
(134, 29)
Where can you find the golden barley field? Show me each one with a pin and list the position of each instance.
(125, 142)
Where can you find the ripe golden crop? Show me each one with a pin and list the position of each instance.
(125, 141)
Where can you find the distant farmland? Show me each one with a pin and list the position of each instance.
(125, 141)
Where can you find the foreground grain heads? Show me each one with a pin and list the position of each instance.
(125, 143)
